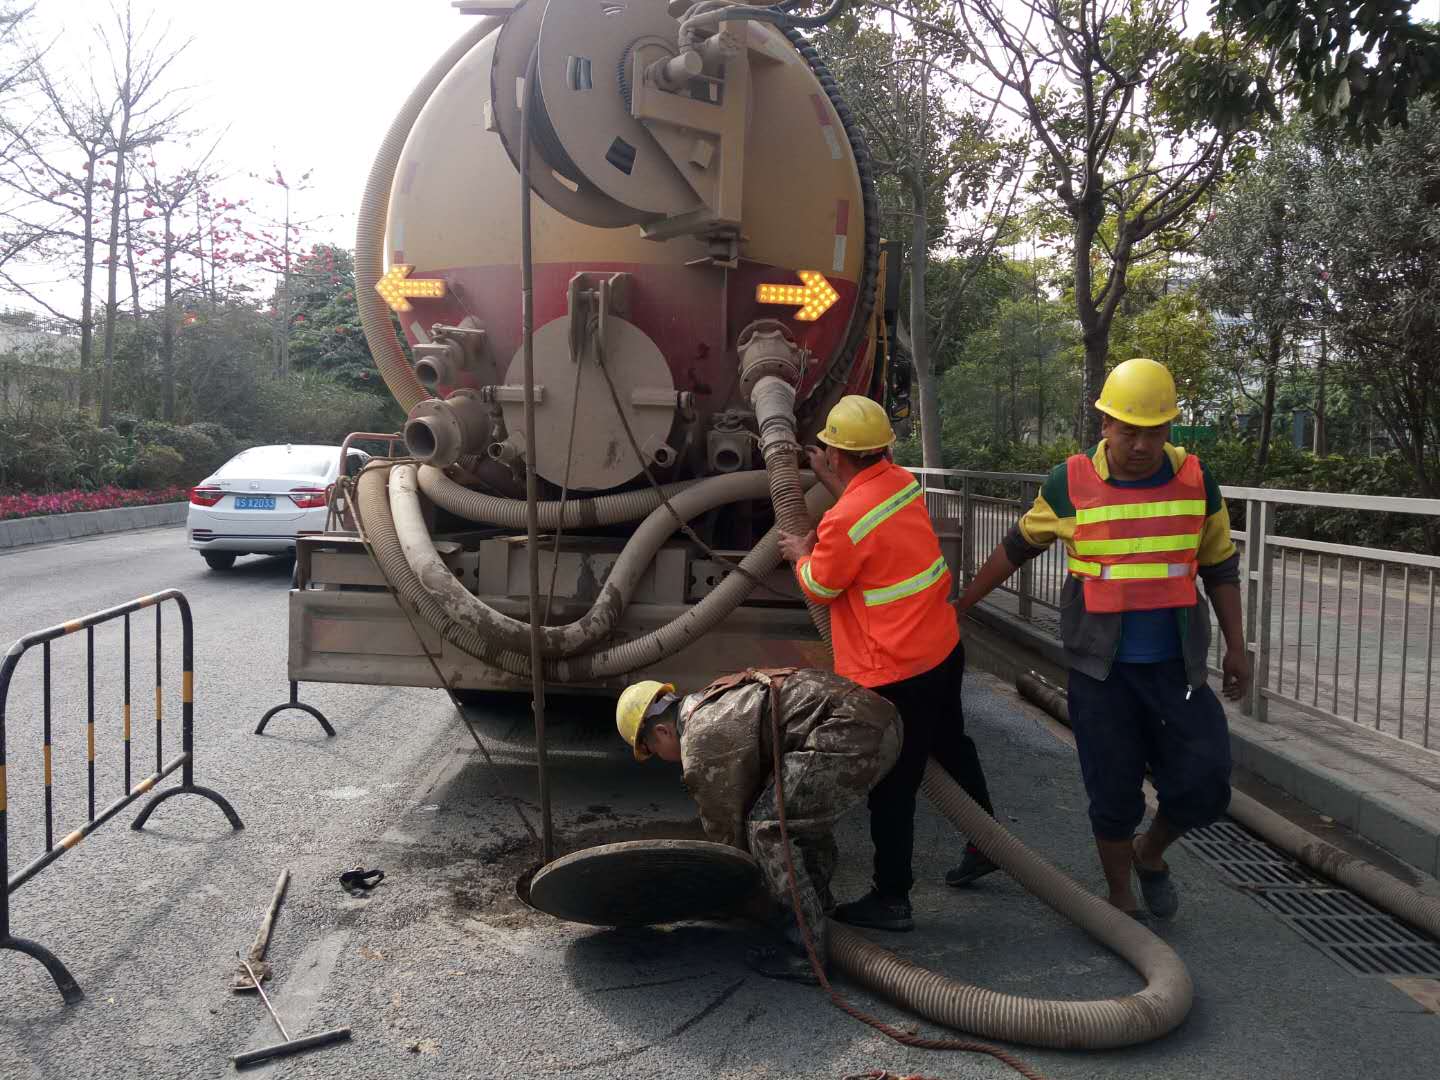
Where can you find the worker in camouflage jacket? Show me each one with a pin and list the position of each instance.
(839, 741)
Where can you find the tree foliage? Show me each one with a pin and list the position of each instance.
(1376, 219)
(1359, 62)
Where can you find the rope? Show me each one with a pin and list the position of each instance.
(564, 488)
(505, 793)
(679, 521)
(904, 1038)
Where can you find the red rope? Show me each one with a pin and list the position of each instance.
(904, 1038)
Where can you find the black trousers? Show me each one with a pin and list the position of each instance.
(934, 724)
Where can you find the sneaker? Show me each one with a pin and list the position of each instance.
(877, 912)
(971, 869)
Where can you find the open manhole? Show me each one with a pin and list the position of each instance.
(1347, 928)
(643, 883)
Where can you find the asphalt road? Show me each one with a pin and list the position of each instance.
(443, 972)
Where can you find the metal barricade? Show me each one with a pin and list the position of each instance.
(184, 761)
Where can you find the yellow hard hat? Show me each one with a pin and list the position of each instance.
(857, 423)
(1139, 392)
(633, 709)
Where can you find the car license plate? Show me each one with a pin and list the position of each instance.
(254, 502)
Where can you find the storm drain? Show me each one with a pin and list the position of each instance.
(1351, 931)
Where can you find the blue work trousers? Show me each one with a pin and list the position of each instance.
(1144, 715)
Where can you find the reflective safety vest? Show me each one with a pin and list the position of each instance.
(1135, 548)
(877, 565)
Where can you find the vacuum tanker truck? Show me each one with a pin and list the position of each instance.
(705, 279)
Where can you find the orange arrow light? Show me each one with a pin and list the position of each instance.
(397, 284)
(813, 298)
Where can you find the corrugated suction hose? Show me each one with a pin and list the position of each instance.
(588, 631)
(377, 527)
(573, 513)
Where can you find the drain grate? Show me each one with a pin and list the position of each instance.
(1351, 931)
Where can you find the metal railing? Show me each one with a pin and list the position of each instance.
(1334, 630)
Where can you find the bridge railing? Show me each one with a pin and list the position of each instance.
(1338, 631)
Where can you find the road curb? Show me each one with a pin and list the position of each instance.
(22, 532)
(1412, 833)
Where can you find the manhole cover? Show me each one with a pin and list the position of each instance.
(644, 882)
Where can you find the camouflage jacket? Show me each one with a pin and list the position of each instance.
(726, 745)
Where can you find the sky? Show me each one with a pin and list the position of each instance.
(305, 85)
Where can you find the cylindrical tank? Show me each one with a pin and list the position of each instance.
(454, 216)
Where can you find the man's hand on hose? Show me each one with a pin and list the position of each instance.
(794, 548)
(1236, 669)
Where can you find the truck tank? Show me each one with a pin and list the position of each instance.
(703, 224)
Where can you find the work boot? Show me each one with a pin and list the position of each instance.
(775, 962)
(971, 869)
(877, 912)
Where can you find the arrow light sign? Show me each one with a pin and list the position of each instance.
(397, 284)
(813, 298)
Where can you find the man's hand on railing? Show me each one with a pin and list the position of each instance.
(1236, 669)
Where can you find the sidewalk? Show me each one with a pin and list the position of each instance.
(1386, 791)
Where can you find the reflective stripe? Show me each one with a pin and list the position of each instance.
(909, 587)
(814, 586)
(1137, 544)
(1134, 511)
(887, 509)
(1130, 571)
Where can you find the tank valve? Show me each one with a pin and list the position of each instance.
(729, 443)
(452, 353)
(440, 432)
(766, 348)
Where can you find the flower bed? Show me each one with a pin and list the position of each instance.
(69, 502)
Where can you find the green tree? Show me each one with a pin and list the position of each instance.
(1376, 222)
(1107, 87)
(325, 331)
(938, 153)
(1263, 265)
(1361, 62)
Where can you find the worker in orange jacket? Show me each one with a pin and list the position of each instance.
(875, 561)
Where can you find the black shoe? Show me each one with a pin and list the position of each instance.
(877, 912)
(776, 963)
(971, 869)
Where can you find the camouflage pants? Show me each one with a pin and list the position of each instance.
(830, 774)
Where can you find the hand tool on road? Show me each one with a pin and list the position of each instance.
(289, 1046)
(241, 982)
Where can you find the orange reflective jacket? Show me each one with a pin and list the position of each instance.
(877, 564)
(1135, 548)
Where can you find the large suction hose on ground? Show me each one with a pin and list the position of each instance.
(1152, 1012)
(596, 624)
(1396, 897)
(377, 527)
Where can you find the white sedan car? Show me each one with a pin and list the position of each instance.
(260, 500)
